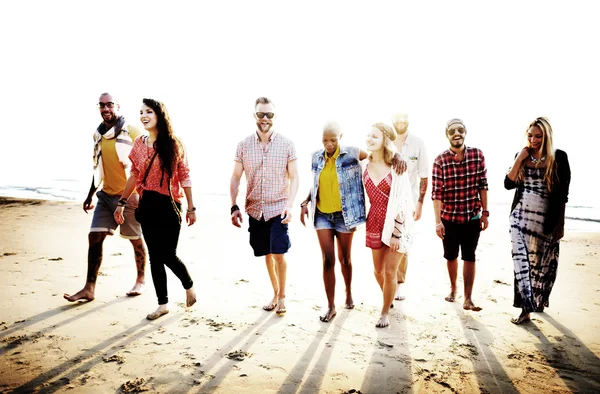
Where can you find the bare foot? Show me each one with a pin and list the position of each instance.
(451, 297)
(82, 295)
(330, 314)
(136, 290)
(161, 310)
(349, 301)
(190, 297)
(398, 296)
(523, 317)
(383, 321)
(468, 305)
(281, 307)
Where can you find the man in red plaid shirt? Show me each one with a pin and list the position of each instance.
(269, 161)
(459, 195)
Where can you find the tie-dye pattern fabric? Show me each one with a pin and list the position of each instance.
(535, 255)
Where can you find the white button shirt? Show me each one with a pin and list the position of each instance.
(414, 152)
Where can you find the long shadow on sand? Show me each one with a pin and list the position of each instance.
(491, 376)
(296, 375)
(251, 333)
(391, 346)
(574, 363)
(60, 376)
(12, 343)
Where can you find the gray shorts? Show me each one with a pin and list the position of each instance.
(104, 220)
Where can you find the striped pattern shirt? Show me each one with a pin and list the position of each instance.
(268, 184)
(457, 184)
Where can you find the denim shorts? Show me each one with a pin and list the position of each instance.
(331, 221)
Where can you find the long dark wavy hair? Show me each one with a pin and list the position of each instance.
(168, 147)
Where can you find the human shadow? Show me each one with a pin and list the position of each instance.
(573, 361)
(296, 375)
(12, 343)
(490, 373)
(47, 382)
(388, 344)
(263, 321)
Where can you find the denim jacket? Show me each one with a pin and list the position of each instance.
(349, 174)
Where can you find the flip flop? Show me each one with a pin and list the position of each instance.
(327, 318)
(270, 306)
(400, 298)
(349, 306)
(281, 312)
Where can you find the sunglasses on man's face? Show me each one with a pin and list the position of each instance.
(269, 115)
(110, 104)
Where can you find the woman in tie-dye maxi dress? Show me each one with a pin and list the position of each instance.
(541, 176)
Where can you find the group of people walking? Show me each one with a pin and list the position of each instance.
(392, 171)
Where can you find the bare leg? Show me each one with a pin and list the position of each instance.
(273, 277)
(452, 273)
(469, 279)
(94, 261)
(401, 277)
(140, 262)
(386, 267)
(281, 273)
(326, 241)
(344, 255)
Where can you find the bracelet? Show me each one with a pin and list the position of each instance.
(304, 203)
(234, 208)
(439, 224)
(122, 202)
(395, 236)
(191, 210)
(485, 213)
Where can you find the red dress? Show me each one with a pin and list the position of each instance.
(378, 197)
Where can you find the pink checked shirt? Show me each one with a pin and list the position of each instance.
(266, 174)
(140, 157)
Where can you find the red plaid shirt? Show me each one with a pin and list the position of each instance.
(457, 184)
(267, 177)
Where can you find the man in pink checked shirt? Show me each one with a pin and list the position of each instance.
(269, 161)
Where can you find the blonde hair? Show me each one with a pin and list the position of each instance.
(389, 135)
(547, 150)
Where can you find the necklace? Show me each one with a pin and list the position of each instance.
(534, 160)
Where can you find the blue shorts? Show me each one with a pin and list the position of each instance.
(331, 221)
(268, 237)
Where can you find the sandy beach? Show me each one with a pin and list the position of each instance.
(227, 344)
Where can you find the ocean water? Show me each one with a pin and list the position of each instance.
(580, 217)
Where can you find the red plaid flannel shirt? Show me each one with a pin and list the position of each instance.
(267, 177)
(457, 184)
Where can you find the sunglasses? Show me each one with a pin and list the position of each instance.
(269, 115)
(110, 104)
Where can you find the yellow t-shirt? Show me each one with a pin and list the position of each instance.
(114, 173)
(330, 200)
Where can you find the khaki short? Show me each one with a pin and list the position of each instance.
(104, 220)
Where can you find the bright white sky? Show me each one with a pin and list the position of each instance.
(496, 67)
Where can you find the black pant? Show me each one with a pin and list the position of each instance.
(161, 226)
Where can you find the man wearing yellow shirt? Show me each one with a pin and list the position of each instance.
(112, 143)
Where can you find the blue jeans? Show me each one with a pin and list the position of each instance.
(331, 221)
